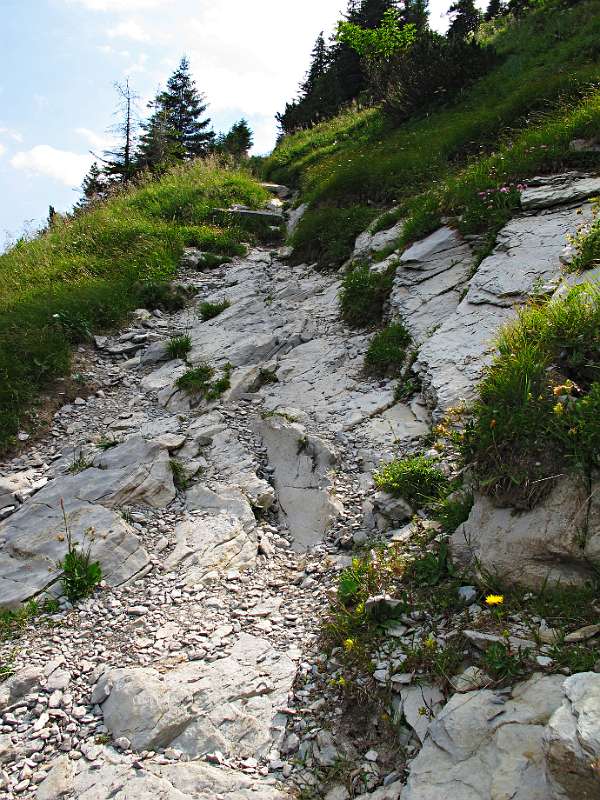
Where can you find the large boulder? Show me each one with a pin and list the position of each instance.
(486, 746)
(230, 705)
(557, 541)
(572, 739)
(301, 462)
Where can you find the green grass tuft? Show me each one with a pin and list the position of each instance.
(326, 236)
(363, 295)
(201, 382)
(179, 346)
(538, 411)
(211, 310)
(416, 479)
(387, 350)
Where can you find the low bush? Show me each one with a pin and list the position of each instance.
(363, 296)
(326, 236)
(538, 409)
(416, 479)
(386, 354)
(586, 245)
(211, 310)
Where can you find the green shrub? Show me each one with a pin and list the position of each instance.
(453, 510)
(586, 244)
(326, 236)
(538, 410)
(210, 310)
(163, 296)
(416, 479)
(181, 479)
(81, 575)
(387, 350)
(179, 346)
(363, 295)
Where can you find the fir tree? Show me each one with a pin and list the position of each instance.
(238, 141)
(180, 108)
(93, 186)
(159, 146)
(465, 19)
(495, 9)
(318, 65)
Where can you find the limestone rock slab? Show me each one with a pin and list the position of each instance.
(482, 746)
(301, 462)
(229, 705)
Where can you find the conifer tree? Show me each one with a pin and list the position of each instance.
(93, 186)
(180, 108)
(159, 146)
(238, 141)
(465, 19)
(495, 9)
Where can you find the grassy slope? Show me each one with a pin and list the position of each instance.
(92, 270)
(515, 121)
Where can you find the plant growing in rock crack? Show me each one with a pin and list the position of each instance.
(386, 355)
(13, 623)
(416, 479)
(200, 381)
(81, 575)
(267, 376)
(503, 662)
(210, 310)
(106, 444)
(179, 346)
(181, 478)
(80, 463)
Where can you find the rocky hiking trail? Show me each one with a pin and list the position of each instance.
(196, 670)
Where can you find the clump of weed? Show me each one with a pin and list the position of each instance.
(386, 354)
(181, 478)
(81, 575)
(453, 510)
(200, 381)
(80, 463)
(267, 376)
(416, 479)
(363, 296)
(538, 409)
(211, 310)
(503, 662)
(163, 296)
(586, 245)
(12, 623)
(326, 236)
(179, 346)
(106, 443)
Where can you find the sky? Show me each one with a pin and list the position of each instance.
(60, 59)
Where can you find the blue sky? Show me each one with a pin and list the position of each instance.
(60, 58)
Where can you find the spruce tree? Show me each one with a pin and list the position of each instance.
(159, 146)
(181, 107)
(465, 19)
(495, 9)
(238, 141)
(93, 186)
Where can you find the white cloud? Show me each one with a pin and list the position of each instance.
(97, 141)
(125, 6)
(9, 133)
(61, 165)
(129, 30)
(2, 149)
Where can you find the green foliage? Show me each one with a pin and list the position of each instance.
(432, 567)
(107, 443)
(363, 295)
(81, 575)
(586, 244)
(453, 510)
(538, 410)
(161, 295)
(415, 479)
(179, 346)
(88, 272)
(13, 623)
(181, 479)
(211, 310)
(386, 354)
(382, 43)
(201, 382)
(80, 463)
(326, 236)
(516, 121)
(503, 662)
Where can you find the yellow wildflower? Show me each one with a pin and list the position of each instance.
(559, 409)
(430, 643)
(494, 599)
(348, 645)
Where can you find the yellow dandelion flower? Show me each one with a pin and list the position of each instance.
(559, 409)
(494, 599)
(348, 645)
